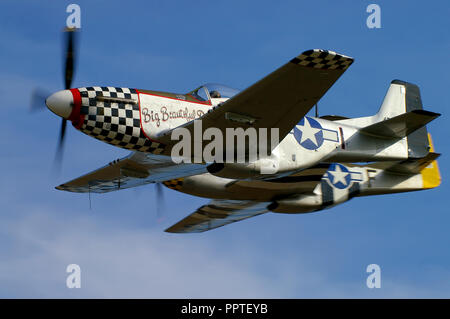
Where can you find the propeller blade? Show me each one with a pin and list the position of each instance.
(38, 97)
(62, 133)
(69, 66)
(159, 201)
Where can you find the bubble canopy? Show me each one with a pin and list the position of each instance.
(213, 90)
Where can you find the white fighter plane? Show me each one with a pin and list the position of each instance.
(321, 161)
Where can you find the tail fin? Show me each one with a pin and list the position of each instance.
(403, 97)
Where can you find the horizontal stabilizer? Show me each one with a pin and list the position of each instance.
(413, 166)
(401, 125)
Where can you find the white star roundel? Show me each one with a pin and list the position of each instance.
(308, 133)
(339, 176)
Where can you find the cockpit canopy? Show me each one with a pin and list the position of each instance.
(213, 91)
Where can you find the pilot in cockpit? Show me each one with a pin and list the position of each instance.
(214, 94)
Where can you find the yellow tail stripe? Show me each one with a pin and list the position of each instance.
(430, 175)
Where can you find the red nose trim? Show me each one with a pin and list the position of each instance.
(75, 116)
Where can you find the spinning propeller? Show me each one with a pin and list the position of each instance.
(61, 102)
(68, 77)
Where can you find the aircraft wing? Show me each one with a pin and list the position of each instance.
(134, 170)
(222, 212)
(280, 99)
(218, 213)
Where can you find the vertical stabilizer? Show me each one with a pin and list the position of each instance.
(403, 97)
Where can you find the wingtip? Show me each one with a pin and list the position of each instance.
(426, 113)
(323, 59)
(329, 52)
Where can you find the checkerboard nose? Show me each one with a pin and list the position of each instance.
(60, 103)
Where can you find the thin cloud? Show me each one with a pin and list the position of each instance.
(125, 262)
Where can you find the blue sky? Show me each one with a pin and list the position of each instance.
(175, 46)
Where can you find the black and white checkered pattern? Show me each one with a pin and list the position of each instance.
(175, 184)
(114, 122)
(323, 59)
